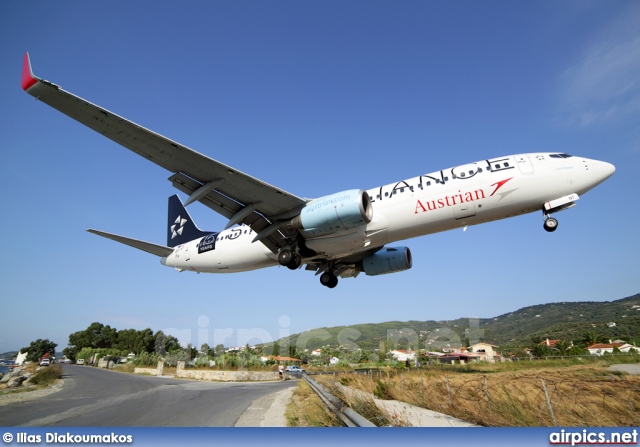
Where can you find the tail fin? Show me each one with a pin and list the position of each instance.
(180, 226)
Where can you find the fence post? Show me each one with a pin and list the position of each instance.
(160, 368)
(486, 391)
(544, 387)
(179, 368)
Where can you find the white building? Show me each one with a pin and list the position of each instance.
(486, 352)
(601, 348)
(402, 356)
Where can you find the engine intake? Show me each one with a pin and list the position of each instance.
(387, 260)
(338, 212)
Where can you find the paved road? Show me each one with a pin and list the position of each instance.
(96, 397)
(631, 368)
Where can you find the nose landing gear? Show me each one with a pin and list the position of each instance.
(550, 224)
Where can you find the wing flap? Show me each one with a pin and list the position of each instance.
(214, 200)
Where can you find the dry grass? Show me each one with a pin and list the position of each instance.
(46, 376)
(307, 410)
(126, 367)
(579, 395)
(360, 402)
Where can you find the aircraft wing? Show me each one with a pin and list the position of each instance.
(238, 196)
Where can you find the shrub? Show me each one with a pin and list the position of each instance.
(46, 376)
(382, 391)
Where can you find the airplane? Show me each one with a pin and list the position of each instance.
(341, 234)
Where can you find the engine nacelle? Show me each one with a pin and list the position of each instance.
(387, 260)
(335, 213)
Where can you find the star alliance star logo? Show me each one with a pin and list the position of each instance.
(179, 222)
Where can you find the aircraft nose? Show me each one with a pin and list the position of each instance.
(598, 172)
(605, 169)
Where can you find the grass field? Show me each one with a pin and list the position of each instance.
(534, 394)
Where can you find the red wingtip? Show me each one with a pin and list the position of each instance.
(28, 80)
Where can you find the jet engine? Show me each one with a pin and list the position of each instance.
(337, 212)
(387, 260)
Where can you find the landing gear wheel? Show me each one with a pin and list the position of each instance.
(296, 261)
(285, 256)
(551, 225)
(328, 280)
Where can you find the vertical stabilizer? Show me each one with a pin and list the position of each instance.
(180, 226)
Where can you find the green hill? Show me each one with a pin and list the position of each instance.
(8, 355)
(565, 321)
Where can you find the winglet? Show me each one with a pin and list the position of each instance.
(28, 79)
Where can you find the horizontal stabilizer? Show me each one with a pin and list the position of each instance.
(154, 249)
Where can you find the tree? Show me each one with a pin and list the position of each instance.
(97, 335)
(145, 341)
(275, 349)
(536, 339)
(70, 353)
(127, 340)
(540, 351)
(577, 350)
(562, 347)
(293, 351)
(219, 350)
(166, 344)
(192, 352)
(38, 349)
(591, 338)
(616, 350)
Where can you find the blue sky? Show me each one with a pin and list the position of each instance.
(314, 97)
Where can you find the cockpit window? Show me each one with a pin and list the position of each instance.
(560, 156)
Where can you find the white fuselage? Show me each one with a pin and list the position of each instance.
(233, 252)
(465, 195)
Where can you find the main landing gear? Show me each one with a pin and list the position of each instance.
(550, 224)
(290, 259)
(328, 279)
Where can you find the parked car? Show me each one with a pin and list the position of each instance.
(294, 369)
(45, 362)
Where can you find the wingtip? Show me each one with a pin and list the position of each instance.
(28, 79)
